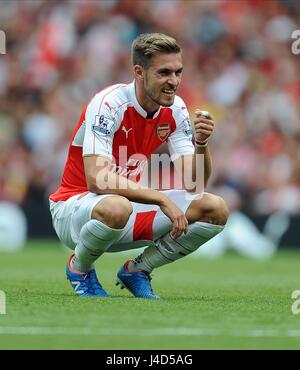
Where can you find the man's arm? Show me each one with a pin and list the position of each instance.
(101, 180)
(202, 151)
(204, 126)
(197, 168)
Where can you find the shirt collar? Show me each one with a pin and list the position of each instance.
(136, 104)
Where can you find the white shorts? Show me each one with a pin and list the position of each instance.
(146, 224)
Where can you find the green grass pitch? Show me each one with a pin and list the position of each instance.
(230, 303)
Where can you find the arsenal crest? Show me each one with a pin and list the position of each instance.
(163, 131)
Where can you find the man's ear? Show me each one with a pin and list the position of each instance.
(138, 72)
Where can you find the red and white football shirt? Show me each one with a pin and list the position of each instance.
(113, 124)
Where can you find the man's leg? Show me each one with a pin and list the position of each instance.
(106, 223)
(206, 215)
(108, 219)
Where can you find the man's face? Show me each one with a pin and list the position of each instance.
(162, 78)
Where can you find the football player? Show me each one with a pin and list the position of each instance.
(101, 205)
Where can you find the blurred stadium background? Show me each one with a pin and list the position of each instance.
(238, 65)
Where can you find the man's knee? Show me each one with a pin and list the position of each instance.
(209, 208)
(113, 211)
(222, 211)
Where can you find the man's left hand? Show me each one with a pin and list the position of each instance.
(204, 126)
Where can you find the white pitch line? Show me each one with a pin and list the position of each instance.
(187, 332)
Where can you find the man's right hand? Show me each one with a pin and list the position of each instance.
(180, 222)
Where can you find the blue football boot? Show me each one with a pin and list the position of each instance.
(85, 285)
(137, 282)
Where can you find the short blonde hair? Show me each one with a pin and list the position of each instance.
(148, 44)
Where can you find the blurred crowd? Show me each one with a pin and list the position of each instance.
(238, 65)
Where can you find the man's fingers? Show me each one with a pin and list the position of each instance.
(186, 225)
(200, 129)
(180, 227)
(205, 132)
(204, 119)
(204, 125)
(175, 229)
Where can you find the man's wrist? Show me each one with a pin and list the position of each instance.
(201, 144)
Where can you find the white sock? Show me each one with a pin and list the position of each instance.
(169, 250)
(95, 237)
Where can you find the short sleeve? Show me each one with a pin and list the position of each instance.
(100, 129)
(180, 142)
